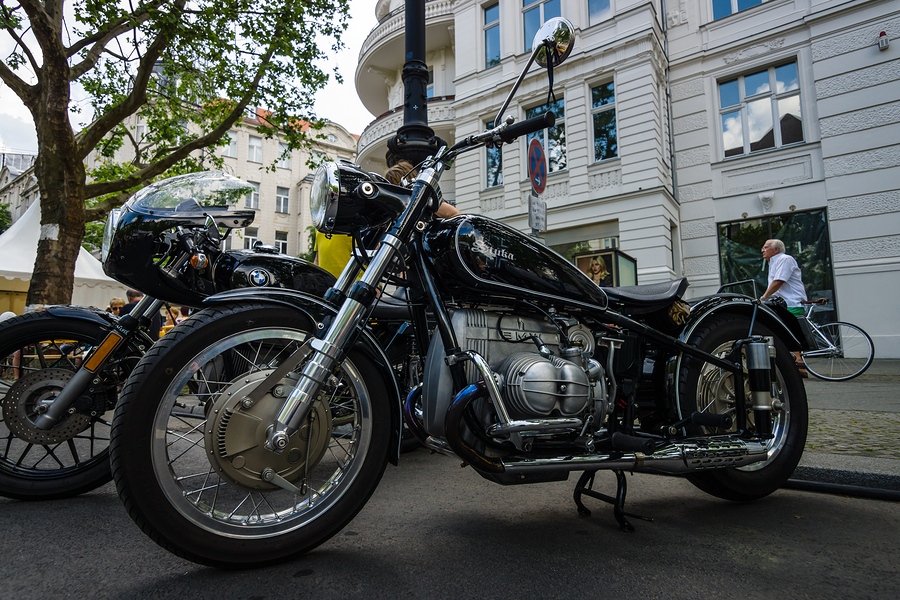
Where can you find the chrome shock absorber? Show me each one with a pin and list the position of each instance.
(760, 359)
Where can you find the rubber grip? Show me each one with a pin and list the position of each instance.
(548, 119)
(630, 443)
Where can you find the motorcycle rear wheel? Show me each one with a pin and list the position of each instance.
(706, 388)
(39, 353)
(189, 477)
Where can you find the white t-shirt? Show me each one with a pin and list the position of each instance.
(784, 268)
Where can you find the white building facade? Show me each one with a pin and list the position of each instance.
(688, 132)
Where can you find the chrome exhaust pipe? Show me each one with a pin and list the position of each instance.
(678, 458)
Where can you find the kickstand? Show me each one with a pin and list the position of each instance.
(584, 485)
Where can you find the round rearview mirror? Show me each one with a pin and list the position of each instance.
(554, 41)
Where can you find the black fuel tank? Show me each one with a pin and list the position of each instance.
(473, 256)
(247, 269)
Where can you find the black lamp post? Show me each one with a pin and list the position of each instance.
(415, 140)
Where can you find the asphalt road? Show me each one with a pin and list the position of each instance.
(434, 530)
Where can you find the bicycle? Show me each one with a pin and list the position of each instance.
(843, 350)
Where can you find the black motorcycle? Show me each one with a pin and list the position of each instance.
(61, 369)
(532, 372)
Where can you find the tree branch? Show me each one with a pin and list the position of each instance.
(99, 41)
(18, 40)
(26, 93)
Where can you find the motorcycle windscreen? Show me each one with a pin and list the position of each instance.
(474, 255)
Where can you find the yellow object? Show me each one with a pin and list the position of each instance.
(333, 254)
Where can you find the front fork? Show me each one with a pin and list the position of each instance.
(95, 362)
(330, 349)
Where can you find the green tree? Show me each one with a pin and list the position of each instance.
(189, 68)
(5, 217)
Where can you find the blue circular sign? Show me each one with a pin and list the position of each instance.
(537, 166)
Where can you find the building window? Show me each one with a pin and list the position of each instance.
(723, 8)
(429, 90)
(493, 165)
(491, 36)
(535, 14)
(254, 149)
(603, 113)
(251, 200)
(282, 199)
(230, 149)
(251, 236)
(332, 138)
(281, 241)
(599, 11)
(284, 156)
(554, 138)
(752, 104)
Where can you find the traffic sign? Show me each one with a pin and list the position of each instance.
(537, 166)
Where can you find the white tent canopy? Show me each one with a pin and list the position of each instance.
(18, 251)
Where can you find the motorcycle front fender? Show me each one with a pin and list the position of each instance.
(785, 325)
(82, 313)
(319, 313)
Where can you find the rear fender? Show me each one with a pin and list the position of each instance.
(319, 313)
(778, 320)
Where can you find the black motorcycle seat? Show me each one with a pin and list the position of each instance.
(647, 295)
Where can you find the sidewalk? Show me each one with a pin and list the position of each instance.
(854, 429)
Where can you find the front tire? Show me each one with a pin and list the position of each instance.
(39, 354)
(706, 388)
(187, 456)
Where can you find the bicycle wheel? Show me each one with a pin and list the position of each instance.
(845, 351)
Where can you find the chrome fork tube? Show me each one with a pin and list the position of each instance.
(328, 350)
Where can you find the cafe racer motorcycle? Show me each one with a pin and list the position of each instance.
(532, 372)
(61, 368)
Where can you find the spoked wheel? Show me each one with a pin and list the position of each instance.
(188, 447)
(39, 354)
(844, 351)
(706, 388)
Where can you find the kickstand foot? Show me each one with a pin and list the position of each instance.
(584, 485)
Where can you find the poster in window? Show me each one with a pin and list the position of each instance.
(598, 266)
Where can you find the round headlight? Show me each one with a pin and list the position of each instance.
(323, 198)
(109, 232)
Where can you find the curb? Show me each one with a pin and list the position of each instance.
(848, 474)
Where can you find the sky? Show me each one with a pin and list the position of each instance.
(337, 102)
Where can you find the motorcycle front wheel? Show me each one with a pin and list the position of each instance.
(39, 354)
(708, 389)
(187, 452)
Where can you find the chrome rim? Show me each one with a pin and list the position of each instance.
(716, 395)
(229, 501)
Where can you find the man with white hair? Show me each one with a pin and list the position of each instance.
(784, 277)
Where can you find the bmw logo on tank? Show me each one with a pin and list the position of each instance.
(259, 277)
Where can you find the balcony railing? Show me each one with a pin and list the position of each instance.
(440, 110)
(396, 21)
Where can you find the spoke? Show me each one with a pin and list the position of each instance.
(74, 452)
(24, 454)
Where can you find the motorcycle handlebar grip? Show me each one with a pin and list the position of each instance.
(548, 119)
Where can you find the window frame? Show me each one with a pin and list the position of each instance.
(603, 109)
(250, 146)
(545, 133)
(488, 27)
(610, 11)
(735, 8)
(284, 162)
(744, 100)
(281, 244)
(525, 9)
(251, 200)
(230, 150)
(282, 201)
(248, 245)
(487, 154)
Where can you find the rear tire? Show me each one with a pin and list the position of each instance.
(189, 475)
(705, 388)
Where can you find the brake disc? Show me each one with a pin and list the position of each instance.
(235, 436)
(29, 397)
